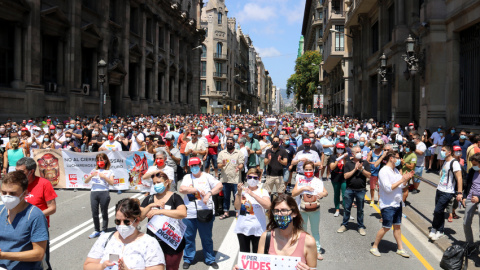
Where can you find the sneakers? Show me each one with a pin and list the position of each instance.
(214, 265)
(352, 218)
(432, 234)
(337, 213)
(342, 229)
(375, 252)
(186, 265)
(95, 234)
(437, 236)
(403, 253)
(362, 232)
(372, 203)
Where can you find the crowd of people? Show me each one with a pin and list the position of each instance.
(272, 173)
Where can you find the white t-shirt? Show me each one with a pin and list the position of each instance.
(251, 219)
(447, 182)
(139, 254)
(421, 158)
(315, 182)
(196, 146)
(135, 144)
(99, 184)
(245, 157)
(386, 178)
(262, 144)
(205, 182)
(112, 145)
(148, 183)
(61, 138)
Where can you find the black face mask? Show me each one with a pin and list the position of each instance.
(275, 144)
(230, 146)
(307, 147)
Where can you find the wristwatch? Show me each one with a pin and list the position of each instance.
(459, 193)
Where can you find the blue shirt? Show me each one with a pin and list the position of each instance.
(327, 150)
(464, 145)
(29, 226)
(175, 135)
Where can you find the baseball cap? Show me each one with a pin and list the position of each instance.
(24, 129)
(350, 136)
(340, 145)
(52, 127)
(342, 133)
(306, 141)
(379, 141)
(411, 124)
(30, 121)
(194, 161)
(169, 137)
(229, 130)
(397, 125)
(455, 148)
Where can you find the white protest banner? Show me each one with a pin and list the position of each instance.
(310, 126)
(254, 261)
(270, 121)
(4, 142)
(304, 115)
(168, 229)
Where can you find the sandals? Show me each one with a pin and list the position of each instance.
(222, 217)
(455, 216)
(319, 256)
(450, 219)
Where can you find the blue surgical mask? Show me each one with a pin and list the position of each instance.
(195, 169)
(362, 144)
(379, 137)
(439, 129)
(250, 135)
(159, 188)
(122, 134)
(476, 168)
(235, 137)
(269, 133)
(443, 154)
(287, 142)
(463, 137)
(282, 221)
(407, 149)
(452, 131)
(398, 162)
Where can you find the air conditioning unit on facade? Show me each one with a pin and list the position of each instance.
(86, 89)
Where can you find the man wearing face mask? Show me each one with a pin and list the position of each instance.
(40, 193)
(230, 161)
(287, 175)
(464, 143)
(356, 171)
(253, 148)
(372, 158)
(23, 244)
(327, 144)
(306, 154)
(110, 144)
(275, 160)
(195, 147)
(212, 153)
(70, 143)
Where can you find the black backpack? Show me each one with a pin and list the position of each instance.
(455, 257)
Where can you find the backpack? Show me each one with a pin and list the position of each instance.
(464, 175)
(455, 257)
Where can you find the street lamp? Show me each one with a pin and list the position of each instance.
(101, 79)
(319, 90)
(333, 30)
(382, 71)
(410, 58)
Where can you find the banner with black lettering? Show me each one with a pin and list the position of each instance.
(168, 229)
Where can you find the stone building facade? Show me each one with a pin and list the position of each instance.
(446, 88)
(51, 50)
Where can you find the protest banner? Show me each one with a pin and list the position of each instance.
(50, 166)
(270, 121)
(304, 115)
(168, 229)
(254, 261)
(310, 126)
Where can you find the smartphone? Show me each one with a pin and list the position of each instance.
(114, 258)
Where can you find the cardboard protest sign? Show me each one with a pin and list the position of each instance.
(168, 229)
(254, 261)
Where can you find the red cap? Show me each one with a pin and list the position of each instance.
(52, 127)
(194, 161)
(229, 129)
(342, 133)
(24, 129)
(340, 145)
(30, 121)
(350, 136)
(306, 141)
(397, 125)
(411, 124)
(49, 120)
(263, 133)
(457, 148)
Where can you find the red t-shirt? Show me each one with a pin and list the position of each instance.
(212, 150)
(40, 191)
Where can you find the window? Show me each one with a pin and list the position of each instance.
(320, 15)
(89, 4)
(218, 85)
(170, 89)
(336, 7)
(219, 69)
(149, 30)
(132, 80)
(374, 41)
(220, 18)
(49, 59)
(391, 21)
(320, 33)
(160, 85)
(203, 69)
(204, 51)
(148, 82)
(161, 37)
(172, 44)
(339, 38)
(219, 49)
(112, 10)
(87, 63)
(7, 43)
(204, 87)
(134, 20)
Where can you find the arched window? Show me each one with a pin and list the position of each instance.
(219, 48)
(219, 18)
(204, 51)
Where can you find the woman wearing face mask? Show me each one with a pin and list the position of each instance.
(12, 155)
(408, 163)
(101, 178)
(198, 188)
(47, 142)
(251, 202)
(170, 204)
(308, 191)
(336, 163)
(159, 166)
(135, 249)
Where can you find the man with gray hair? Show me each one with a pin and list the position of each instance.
(40, 193)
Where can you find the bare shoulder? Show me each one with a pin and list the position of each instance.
(310, 241)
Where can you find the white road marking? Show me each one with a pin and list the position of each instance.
(80, 229)
(422, 239)
(228, 251)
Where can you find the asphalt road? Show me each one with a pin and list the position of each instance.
(72, 223)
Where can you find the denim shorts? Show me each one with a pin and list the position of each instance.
(419, 172)
(213, 159)
(391, 216)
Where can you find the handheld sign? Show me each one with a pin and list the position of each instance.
(254, 261)
(168, 229)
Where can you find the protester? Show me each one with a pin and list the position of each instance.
(198, 188)
(102, 178)
(336, 163)
(13, 155)
(169, 204)
(275, 160)
(372, 158)
(251, 203)
(136, 250)
(408, 163)
(24, 230)
(420, 152)
(471, 197)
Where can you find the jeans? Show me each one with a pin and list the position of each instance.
(441, 202)
(213, 159)
(102, 199)
(314, 217)
(227, 190)
(470, 208)
(337, 188)
(184, 160)
(359, 196)
(205, 231)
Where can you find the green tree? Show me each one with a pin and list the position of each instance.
(303, 83)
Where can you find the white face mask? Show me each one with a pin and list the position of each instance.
(340, 151)
(358, 155)
(125, 231)
(252, 182)
(59, 131)
(11, 201)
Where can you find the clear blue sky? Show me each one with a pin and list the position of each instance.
(275, 28)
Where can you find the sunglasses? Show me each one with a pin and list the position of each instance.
(125, 222)
(252, 177)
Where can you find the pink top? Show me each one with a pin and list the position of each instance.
(299, 250)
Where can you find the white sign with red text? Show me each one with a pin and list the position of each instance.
(168, 229)
(254, 261)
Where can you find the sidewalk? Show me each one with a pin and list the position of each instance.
(419, 211)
